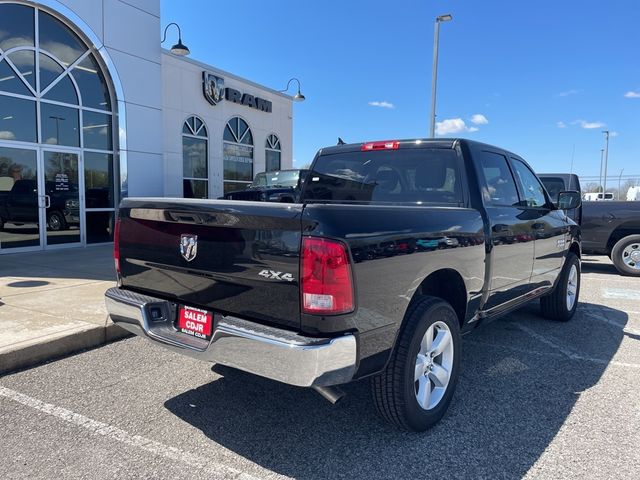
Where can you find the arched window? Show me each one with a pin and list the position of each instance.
(273, 153)
(53, 92)
(237, 155)
(195, 159)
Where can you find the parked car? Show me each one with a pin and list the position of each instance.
(278, 186)
(598, 196)
(336, 297)
(608, 228)
(20, 205)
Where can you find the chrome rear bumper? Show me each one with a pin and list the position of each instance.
(266, 351)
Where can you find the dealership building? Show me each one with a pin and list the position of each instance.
(93, 109)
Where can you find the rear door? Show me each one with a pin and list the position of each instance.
(512, 240)
(548, 224)
(236, 258)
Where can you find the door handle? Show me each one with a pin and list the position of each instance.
(47, 201)
(500, 228)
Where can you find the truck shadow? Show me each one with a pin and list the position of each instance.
(598, 266)
(520, 379)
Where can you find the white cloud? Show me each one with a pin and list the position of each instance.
(561, 125)
(589, 125)
(632, 94)
(382, 104)
(453, 125)
(7, 135)
(479, 119)
(569, 92)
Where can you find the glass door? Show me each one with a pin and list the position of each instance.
(19, 200)
(61, 197)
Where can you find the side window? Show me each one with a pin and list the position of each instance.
(501, 188)
(531, 187)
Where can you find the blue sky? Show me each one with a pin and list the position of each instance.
(545, 75)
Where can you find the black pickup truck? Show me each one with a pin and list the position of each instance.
(278, 186)
(20, 205)
(451, 233)
(609, 228)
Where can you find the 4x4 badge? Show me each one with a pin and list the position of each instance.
(188, 246)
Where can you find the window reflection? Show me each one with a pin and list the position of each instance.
(59, 125)
(49, 71)
(16, 26)
(98, 179)
(17, 119)
(96, 130)
(58, 39)
(92, 85)
(24, 62)
(10, 82)
(63, 91)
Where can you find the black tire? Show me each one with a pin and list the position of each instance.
(56, 222)
(620, 255)
(394, 392)
(555, 305)
(1, 223)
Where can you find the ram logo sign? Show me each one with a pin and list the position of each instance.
(214, 91)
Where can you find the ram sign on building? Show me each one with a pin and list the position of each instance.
(93, 109)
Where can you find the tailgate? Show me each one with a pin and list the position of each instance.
(237, 258)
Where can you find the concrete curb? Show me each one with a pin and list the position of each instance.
(40, 350)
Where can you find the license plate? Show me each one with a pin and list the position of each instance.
(195, 322)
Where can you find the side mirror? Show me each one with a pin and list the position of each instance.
(569, 200)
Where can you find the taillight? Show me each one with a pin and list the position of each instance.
(326, 285)
(116, 245)
(386, 145)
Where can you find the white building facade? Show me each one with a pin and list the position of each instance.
(92, 109)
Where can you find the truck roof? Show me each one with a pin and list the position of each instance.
(406, 143)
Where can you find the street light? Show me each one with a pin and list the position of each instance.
(179, 48)
(619, 181)
(58, 120)
(601, 164)
(434, 78)
(606, 159)
(298, 97)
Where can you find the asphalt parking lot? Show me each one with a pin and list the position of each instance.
(536, 399)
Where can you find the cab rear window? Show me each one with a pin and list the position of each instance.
(406, 176)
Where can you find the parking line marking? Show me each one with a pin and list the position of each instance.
(623, 293)
(571, 355)
(604, 319)
(115, 433)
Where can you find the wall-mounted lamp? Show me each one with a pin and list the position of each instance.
(298, 97)
(179, 48)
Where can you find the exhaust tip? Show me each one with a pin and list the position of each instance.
(331, 394)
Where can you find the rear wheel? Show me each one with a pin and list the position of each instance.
(415, 389)
(56, 222)
(625, 255)
(562, 303)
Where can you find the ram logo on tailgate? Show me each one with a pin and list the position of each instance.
(188, 246)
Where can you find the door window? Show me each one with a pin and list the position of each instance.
(500, 189)
(531, 188)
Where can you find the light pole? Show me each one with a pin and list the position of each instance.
(601, 164)
(57, 119)
(434, 77)
(606, 159)
(619, 180)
